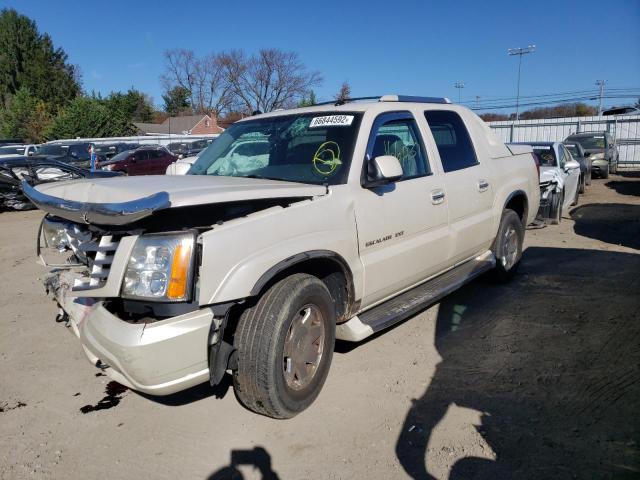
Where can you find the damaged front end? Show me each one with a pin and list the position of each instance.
(126, 277)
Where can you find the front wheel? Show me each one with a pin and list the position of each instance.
(284, 347)
(583, 183)
(507, 247)
(605, 172)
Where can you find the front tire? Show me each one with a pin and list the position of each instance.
(507, 247)
(583, 183)
(284, 347)
(605, 173)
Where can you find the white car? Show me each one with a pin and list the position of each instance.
(17, 150)
(292, 229)
(559, 179)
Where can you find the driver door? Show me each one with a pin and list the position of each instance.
(571, 179)
(402, 226)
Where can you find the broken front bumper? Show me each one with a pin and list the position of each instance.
(157, 358)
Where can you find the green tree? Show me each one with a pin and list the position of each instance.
(89, 117)
(176, 100)
(29, 59)
(134, 105)
(25, 117)
(308, 101)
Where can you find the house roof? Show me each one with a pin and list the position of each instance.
(178, 125)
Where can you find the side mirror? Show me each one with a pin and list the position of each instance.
(571, 165)
(382, 170)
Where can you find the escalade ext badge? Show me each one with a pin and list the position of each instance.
(99, 213)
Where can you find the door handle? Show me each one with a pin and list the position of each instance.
(483, 185)
(437, 196)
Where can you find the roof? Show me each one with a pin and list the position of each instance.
(378, 103)
(586, 134)
(172, 124)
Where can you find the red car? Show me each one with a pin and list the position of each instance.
(141, 161)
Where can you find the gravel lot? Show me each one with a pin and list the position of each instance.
(536, 379)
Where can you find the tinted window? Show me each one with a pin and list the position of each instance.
(400, 138)
(452, 139)
(546, 155)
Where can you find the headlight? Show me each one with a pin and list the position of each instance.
(160, 268)
(597, 156)
(55, 235)
(108, 167)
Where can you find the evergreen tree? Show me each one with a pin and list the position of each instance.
(29, 59)
(176, 101)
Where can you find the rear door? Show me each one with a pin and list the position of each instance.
(467, 184)
(402, 226)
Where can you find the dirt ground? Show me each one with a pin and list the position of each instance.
(536, 379)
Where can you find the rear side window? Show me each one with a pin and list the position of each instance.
(452, 139)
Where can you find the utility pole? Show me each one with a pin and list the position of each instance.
(459, 86)
(600, 83)
(477, 102)
(520, 52)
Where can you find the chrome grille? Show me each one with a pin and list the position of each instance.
(99, 258)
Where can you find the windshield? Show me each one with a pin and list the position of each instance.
(18, 150)
(306, 148)
(590, 143)
(546, 155)
(51, 150)
(121, 156)
(573, 150)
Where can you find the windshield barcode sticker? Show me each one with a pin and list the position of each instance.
(332, 121)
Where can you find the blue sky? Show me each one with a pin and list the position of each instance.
(418, 48)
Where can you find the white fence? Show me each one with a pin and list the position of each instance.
(624, 128)
(140, 140)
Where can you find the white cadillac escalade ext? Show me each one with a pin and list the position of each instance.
(344, 219)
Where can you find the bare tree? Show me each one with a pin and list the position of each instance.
(203, 78)
(344, 93)
(269, 80)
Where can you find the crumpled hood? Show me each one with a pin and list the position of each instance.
(183, 190)
(552, 174)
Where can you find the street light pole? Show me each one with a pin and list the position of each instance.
(600, 83)
(459, 86)
(520, 52)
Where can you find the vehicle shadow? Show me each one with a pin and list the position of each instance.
(550, 362)
(616, 223)
(629, 173)
(258, 458)
(625, 187)
(194, 394)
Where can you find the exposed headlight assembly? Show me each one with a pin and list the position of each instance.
(160, 268)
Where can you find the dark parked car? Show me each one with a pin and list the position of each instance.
(188, 149)
(15, 170)
(577, 152)
(601, 148)
(141, 161)
(74, 153)
(106, 151)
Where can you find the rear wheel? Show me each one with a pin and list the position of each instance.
(507, 247)
(284, 346)
(556, 208)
